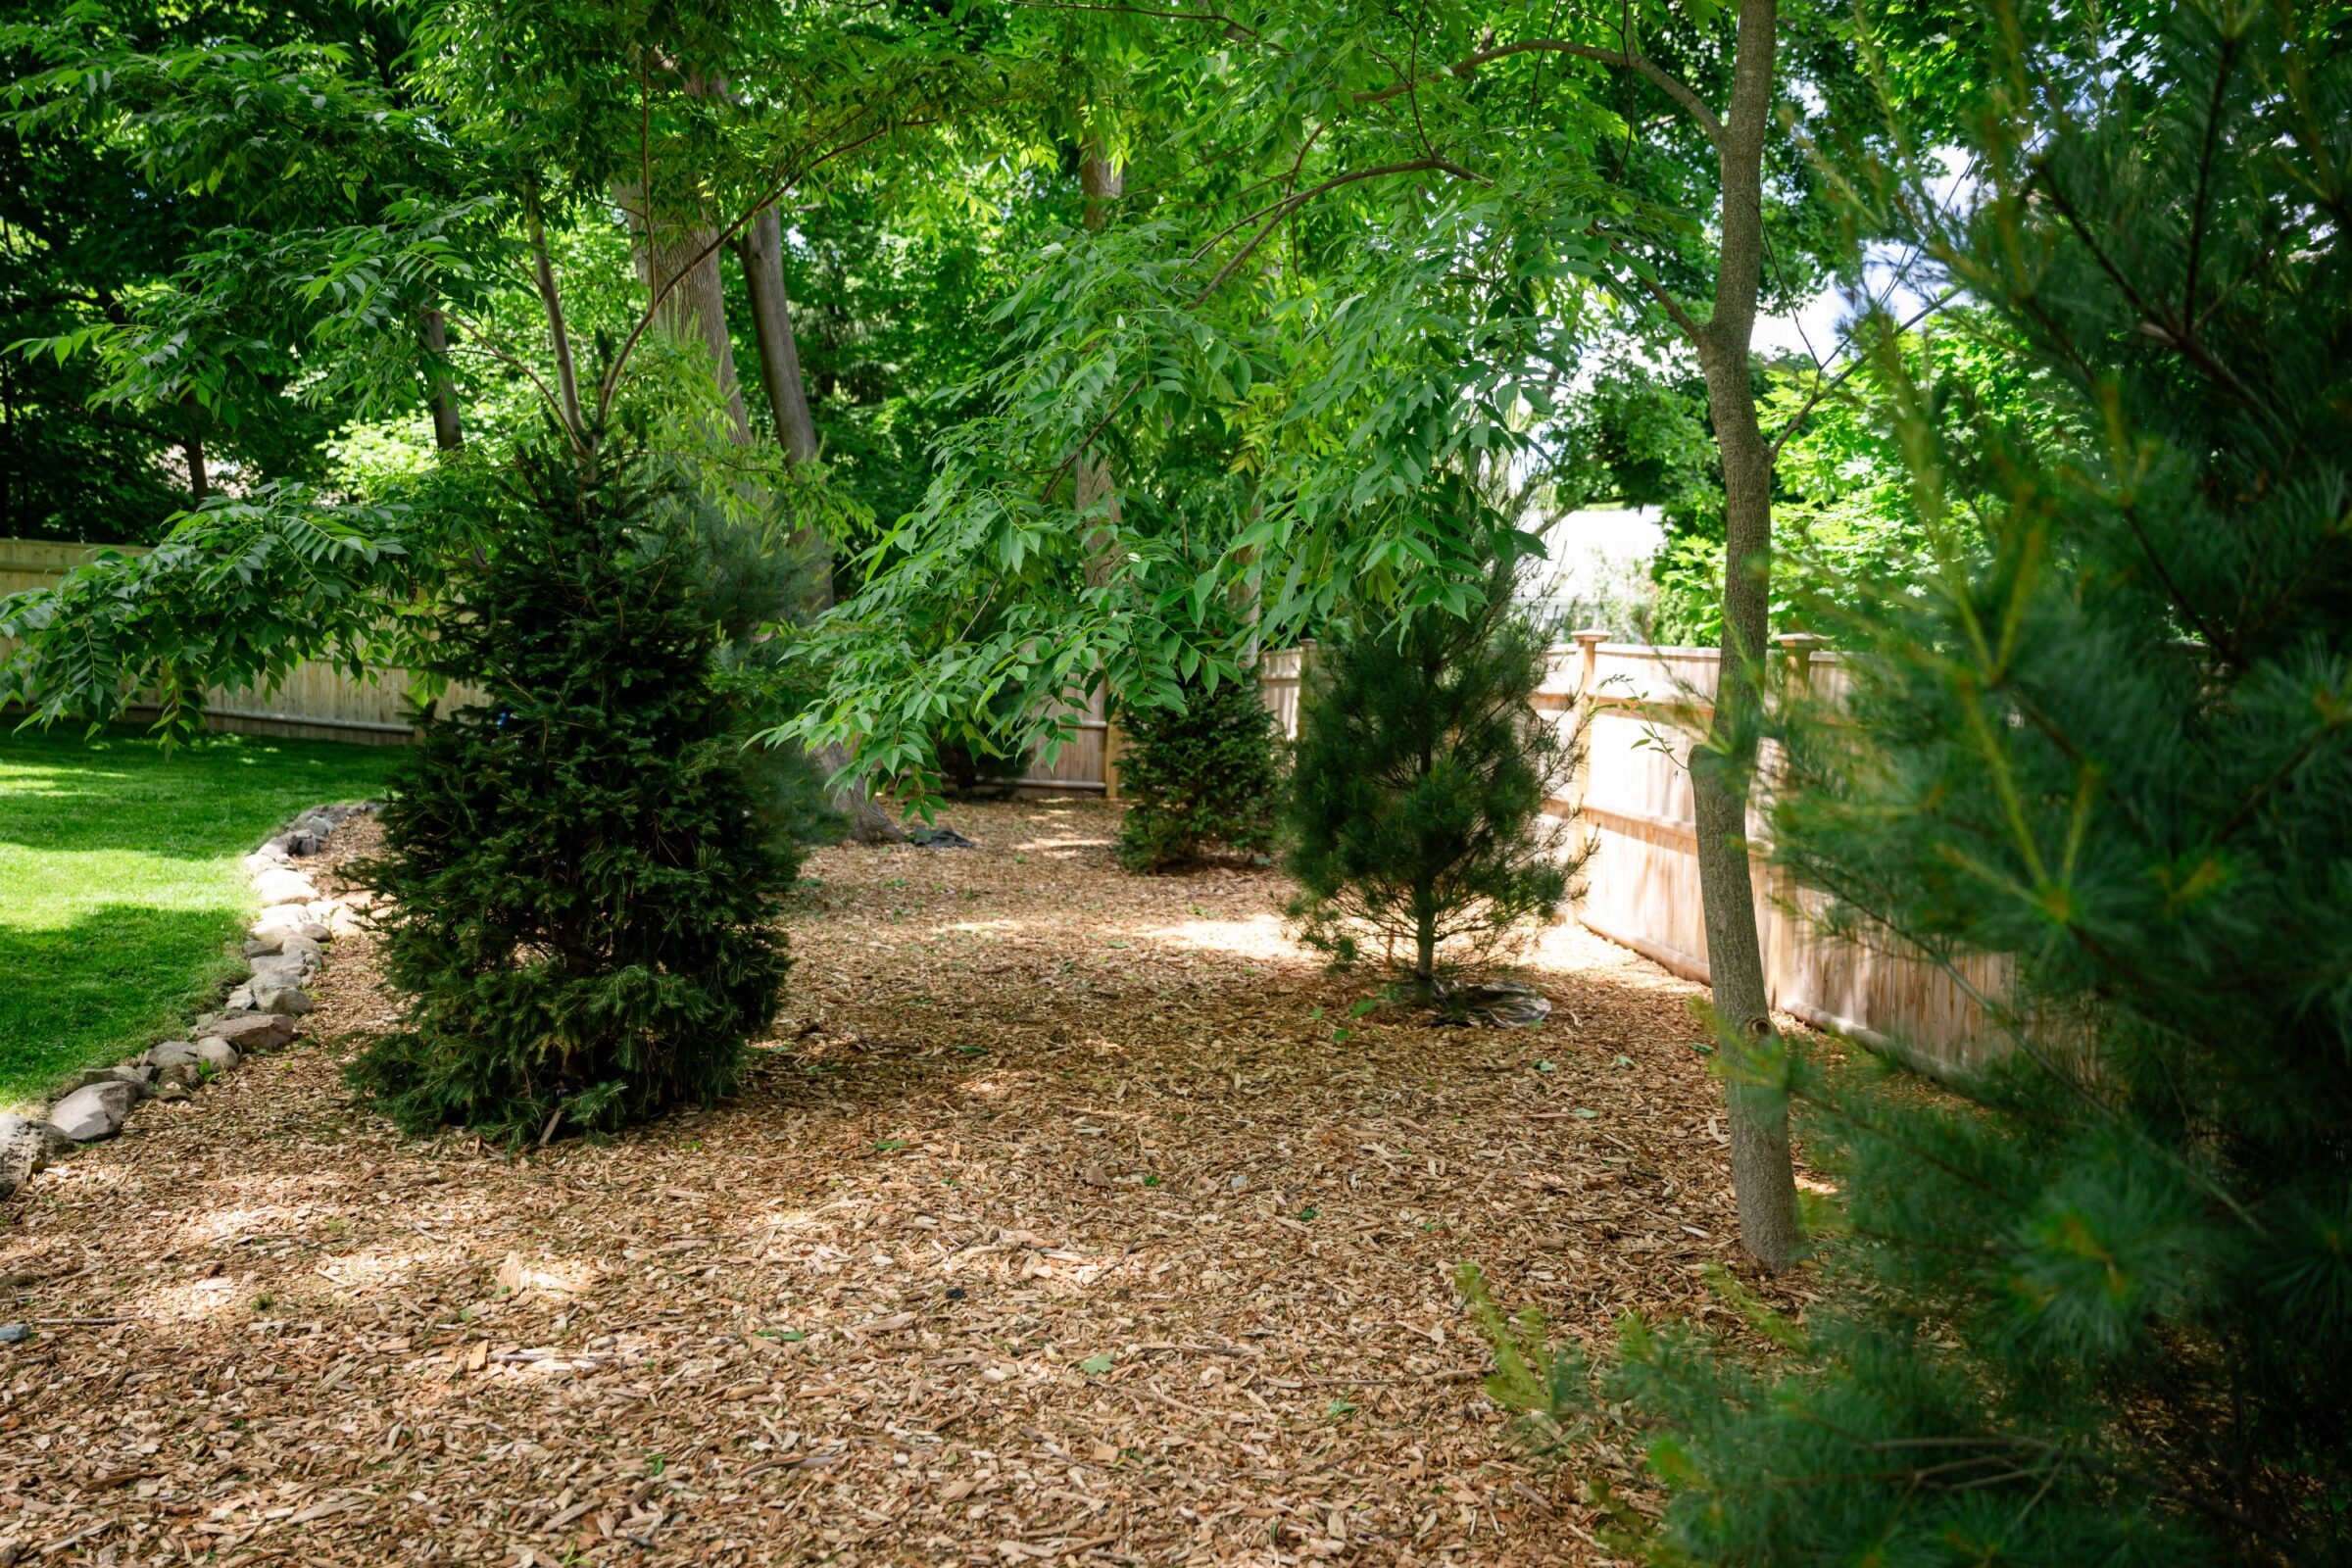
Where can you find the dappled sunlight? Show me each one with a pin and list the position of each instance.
(1260, 936)
(1115, 1146)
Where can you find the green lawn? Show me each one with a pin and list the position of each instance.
(120, 892)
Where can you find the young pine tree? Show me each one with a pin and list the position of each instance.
(2094, 1303)
(1416, 809)
(583, 902)
(1202, 778)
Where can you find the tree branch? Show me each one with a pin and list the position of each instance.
(1623, 58)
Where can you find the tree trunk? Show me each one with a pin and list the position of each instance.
(448, 434)
(200, 483)
(1102, 183)
(696, 304)
(761, 252)
(559, 337)
(1762, 1175)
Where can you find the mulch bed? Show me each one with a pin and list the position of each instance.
(1058, 1221)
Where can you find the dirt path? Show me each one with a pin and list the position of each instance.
(1055, 1224)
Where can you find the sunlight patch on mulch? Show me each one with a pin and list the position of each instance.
(1057, 1222)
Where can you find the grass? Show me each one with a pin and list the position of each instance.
(120, 888)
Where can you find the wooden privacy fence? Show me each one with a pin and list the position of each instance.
(1643, 707)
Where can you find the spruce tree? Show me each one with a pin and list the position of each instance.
(1416, 808)
(2093, 1304)
(1203, 777)
(582, 897)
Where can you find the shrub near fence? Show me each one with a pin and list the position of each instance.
(1649, 704)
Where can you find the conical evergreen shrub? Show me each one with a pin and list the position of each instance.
(1416, 808)
(1203, 777)
(582, 900)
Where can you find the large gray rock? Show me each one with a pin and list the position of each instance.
(282, 969)
(137, 1075)
(273, 995)
(281, 885)
(171, 1054)
(250, 1031)
(26, 1146)
(94, 1110)
(217, 1054)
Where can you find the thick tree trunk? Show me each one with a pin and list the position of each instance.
(762, 251)
(695, 303)
(1762, 1176)
(448, 434)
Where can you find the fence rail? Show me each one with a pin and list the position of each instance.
(1642, 706)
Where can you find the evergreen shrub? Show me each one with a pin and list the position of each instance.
(1416, 806)
(2092, 1303)
(582, 902)
(1203, 777)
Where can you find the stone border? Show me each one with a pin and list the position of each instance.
(285, 953)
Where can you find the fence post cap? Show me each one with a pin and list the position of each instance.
(1589, 635)
(1800, 642)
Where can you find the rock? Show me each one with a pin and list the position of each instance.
(285, 968)
(95, 1111)
(217, 1054)
(281, 997)
(252, 1031)
(296, 945)
(171, 1094)
(288, 919)
(171, 1053)
(345, 923)
(26, 1146)
(14, 1333)
(300, 843)
(135, 1077)
(279, 885)
(238, 1001)
(180, 1075)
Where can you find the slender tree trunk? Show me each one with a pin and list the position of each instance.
(448, 434)
(200, 482)
(697, 305)
(761, 252)
(1102, 183)
(1762, 1176)
(559, 337)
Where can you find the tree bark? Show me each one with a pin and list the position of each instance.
(761, 252)
(200, 482)
(668, 246)
(448, 434)
(559, 337)
(1102, 183)
(1763, 1178)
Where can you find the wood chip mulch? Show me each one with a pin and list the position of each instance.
(1059, 1222)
